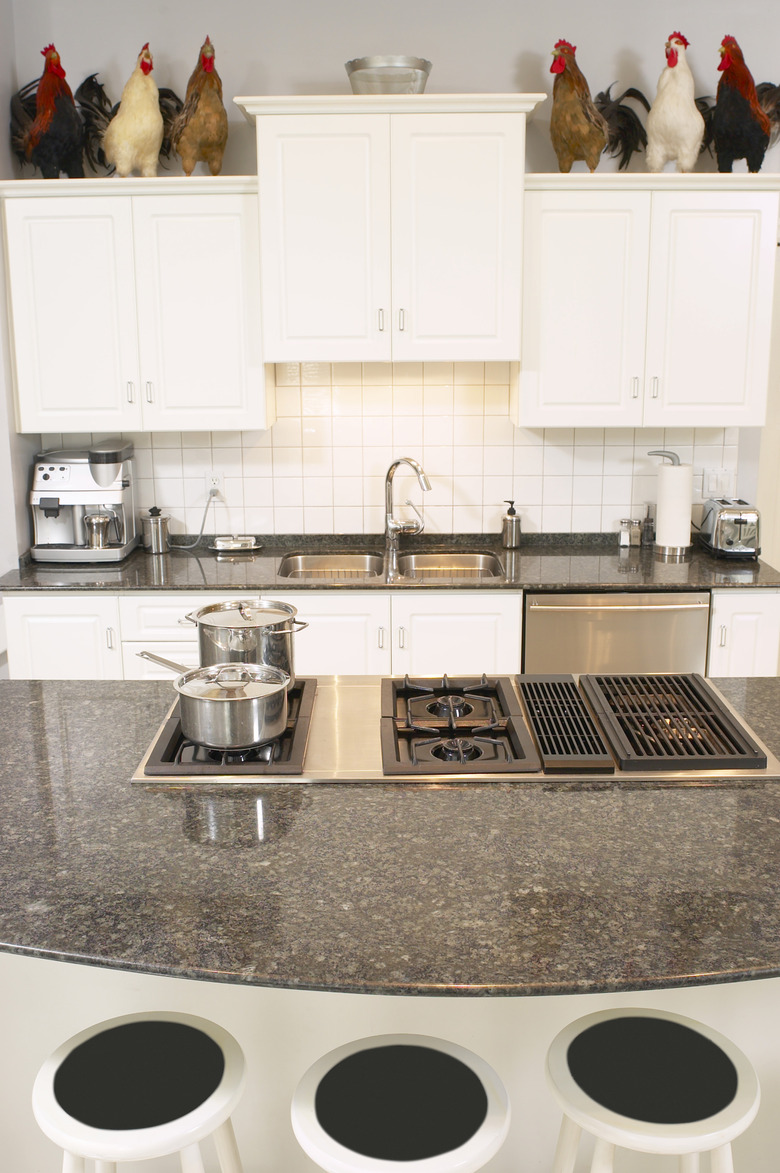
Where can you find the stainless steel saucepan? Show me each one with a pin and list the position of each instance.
(229, 706)
(247, 631)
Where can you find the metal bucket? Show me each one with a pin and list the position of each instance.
(248, 631)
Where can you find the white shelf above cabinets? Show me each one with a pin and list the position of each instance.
(136, 311)
(646, 304)
(391, 228)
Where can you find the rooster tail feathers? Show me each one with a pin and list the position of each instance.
(171, 107)
(706, 107)
(769, 101)
(625, 132)
(22, 115)
(97, 112)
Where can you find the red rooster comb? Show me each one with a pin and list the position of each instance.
(728, 41)
(48, 49)
(565, 45)
(679, 37)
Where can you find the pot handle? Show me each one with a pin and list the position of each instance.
(178, 668)
(189, 619)
(299, 623)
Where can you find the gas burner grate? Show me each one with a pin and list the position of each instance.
(670, 722)
(566, 734)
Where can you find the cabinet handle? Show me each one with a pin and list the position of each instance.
(401, 319)
(654, 391)
(635, 387)
(722, 640)
(149, 393)
(380, 637)
(110, 638)
(130, 393)
(402, 637)
(381, 316)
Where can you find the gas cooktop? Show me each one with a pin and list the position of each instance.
(468, 729)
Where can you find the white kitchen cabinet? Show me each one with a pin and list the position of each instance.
(135, 312)
(647, 307)
(391, 228)
(457, 632)
(54, 636)
(744, 633)
(348, 633)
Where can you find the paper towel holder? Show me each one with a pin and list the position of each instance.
(670, 553)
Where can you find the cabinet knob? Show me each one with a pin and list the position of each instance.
(654, 391)
(635, 387)
(130, 393)
(402, 637)
(110, 638)
(380, 637)
(381, 318)
(722, 640)
(149, 393)
(401, 320)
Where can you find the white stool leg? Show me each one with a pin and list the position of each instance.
(603, 1156)
(566, 1149)
(191, 1159)
(689, 1163)
(73, 1164)
(227, 1149)
(721, 1160)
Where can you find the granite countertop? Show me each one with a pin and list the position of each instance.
(552, 562)
(501, 888)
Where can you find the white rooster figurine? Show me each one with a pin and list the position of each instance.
(133, 138)
(675, 128)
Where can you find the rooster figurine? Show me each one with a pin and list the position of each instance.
(740, 128)
(675, 128)
(133, 138)
(201, 129)
(581, 128)
(47, 130)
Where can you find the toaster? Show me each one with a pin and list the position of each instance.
(730, 528)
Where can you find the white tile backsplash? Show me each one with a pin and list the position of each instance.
(320, 468)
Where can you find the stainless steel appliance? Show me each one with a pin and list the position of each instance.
(730, 528)
(616, 632)
(669, 728)
(83, 505)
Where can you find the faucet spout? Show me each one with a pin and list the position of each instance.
(394, 528)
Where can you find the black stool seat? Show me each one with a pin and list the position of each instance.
(425, 1102)
(652, 1069)
(139, 1075)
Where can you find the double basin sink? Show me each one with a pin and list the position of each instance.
(455, 565)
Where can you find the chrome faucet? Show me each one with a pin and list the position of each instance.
(394, 528)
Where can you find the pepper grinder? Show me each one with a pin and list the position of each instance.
(510, 527)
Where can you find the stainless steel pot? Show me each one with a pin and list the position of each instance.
(229, 706)
(248, 631)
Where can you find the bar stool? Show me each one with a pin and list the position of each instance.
(141, 1086)
(653, 1082)
(375, 1103)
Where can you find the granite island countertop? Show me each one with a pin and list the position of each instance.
(500, 888)
(549, 562)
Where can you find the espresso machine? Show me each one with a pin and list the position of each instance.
(83, 504)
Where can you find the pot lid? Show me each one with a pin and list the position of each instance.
(253, 613)
(225, 682)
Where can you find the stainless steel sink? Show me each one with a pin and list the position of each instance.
(456, 564)
(334, 567)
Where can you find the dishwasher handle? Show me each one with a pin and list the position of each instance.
(619, 606)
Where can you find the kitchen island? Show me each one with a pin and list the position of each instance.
(511, 907)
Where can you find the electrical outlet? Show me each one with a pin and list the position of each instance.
(213, 481)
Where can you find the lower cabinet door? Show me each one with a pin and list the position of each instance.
(744, 633)
(63, 637)
(348, 633)
(456, 632)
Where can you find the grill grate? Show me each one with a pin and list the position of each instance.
(669, 721)
(565, 732)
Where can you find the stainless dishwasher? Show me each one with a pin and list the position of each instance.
(620, 632)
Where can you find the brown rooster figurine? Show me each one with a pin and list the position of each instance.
(48, 130)
(740, 129)
(577, 129)
(200, 132)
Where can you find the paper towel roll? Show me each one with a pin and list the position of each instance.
(673, 511)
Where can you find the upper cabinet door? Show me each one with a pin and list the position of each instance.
(324, 186)
(712, 262)
(199, 312)
(457, 215)
(72, 300)
(584, 308)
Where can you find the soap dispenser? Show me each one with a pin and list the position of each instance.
(510, 527)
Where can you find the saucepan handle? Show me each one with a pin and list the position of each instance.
(178, 668)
